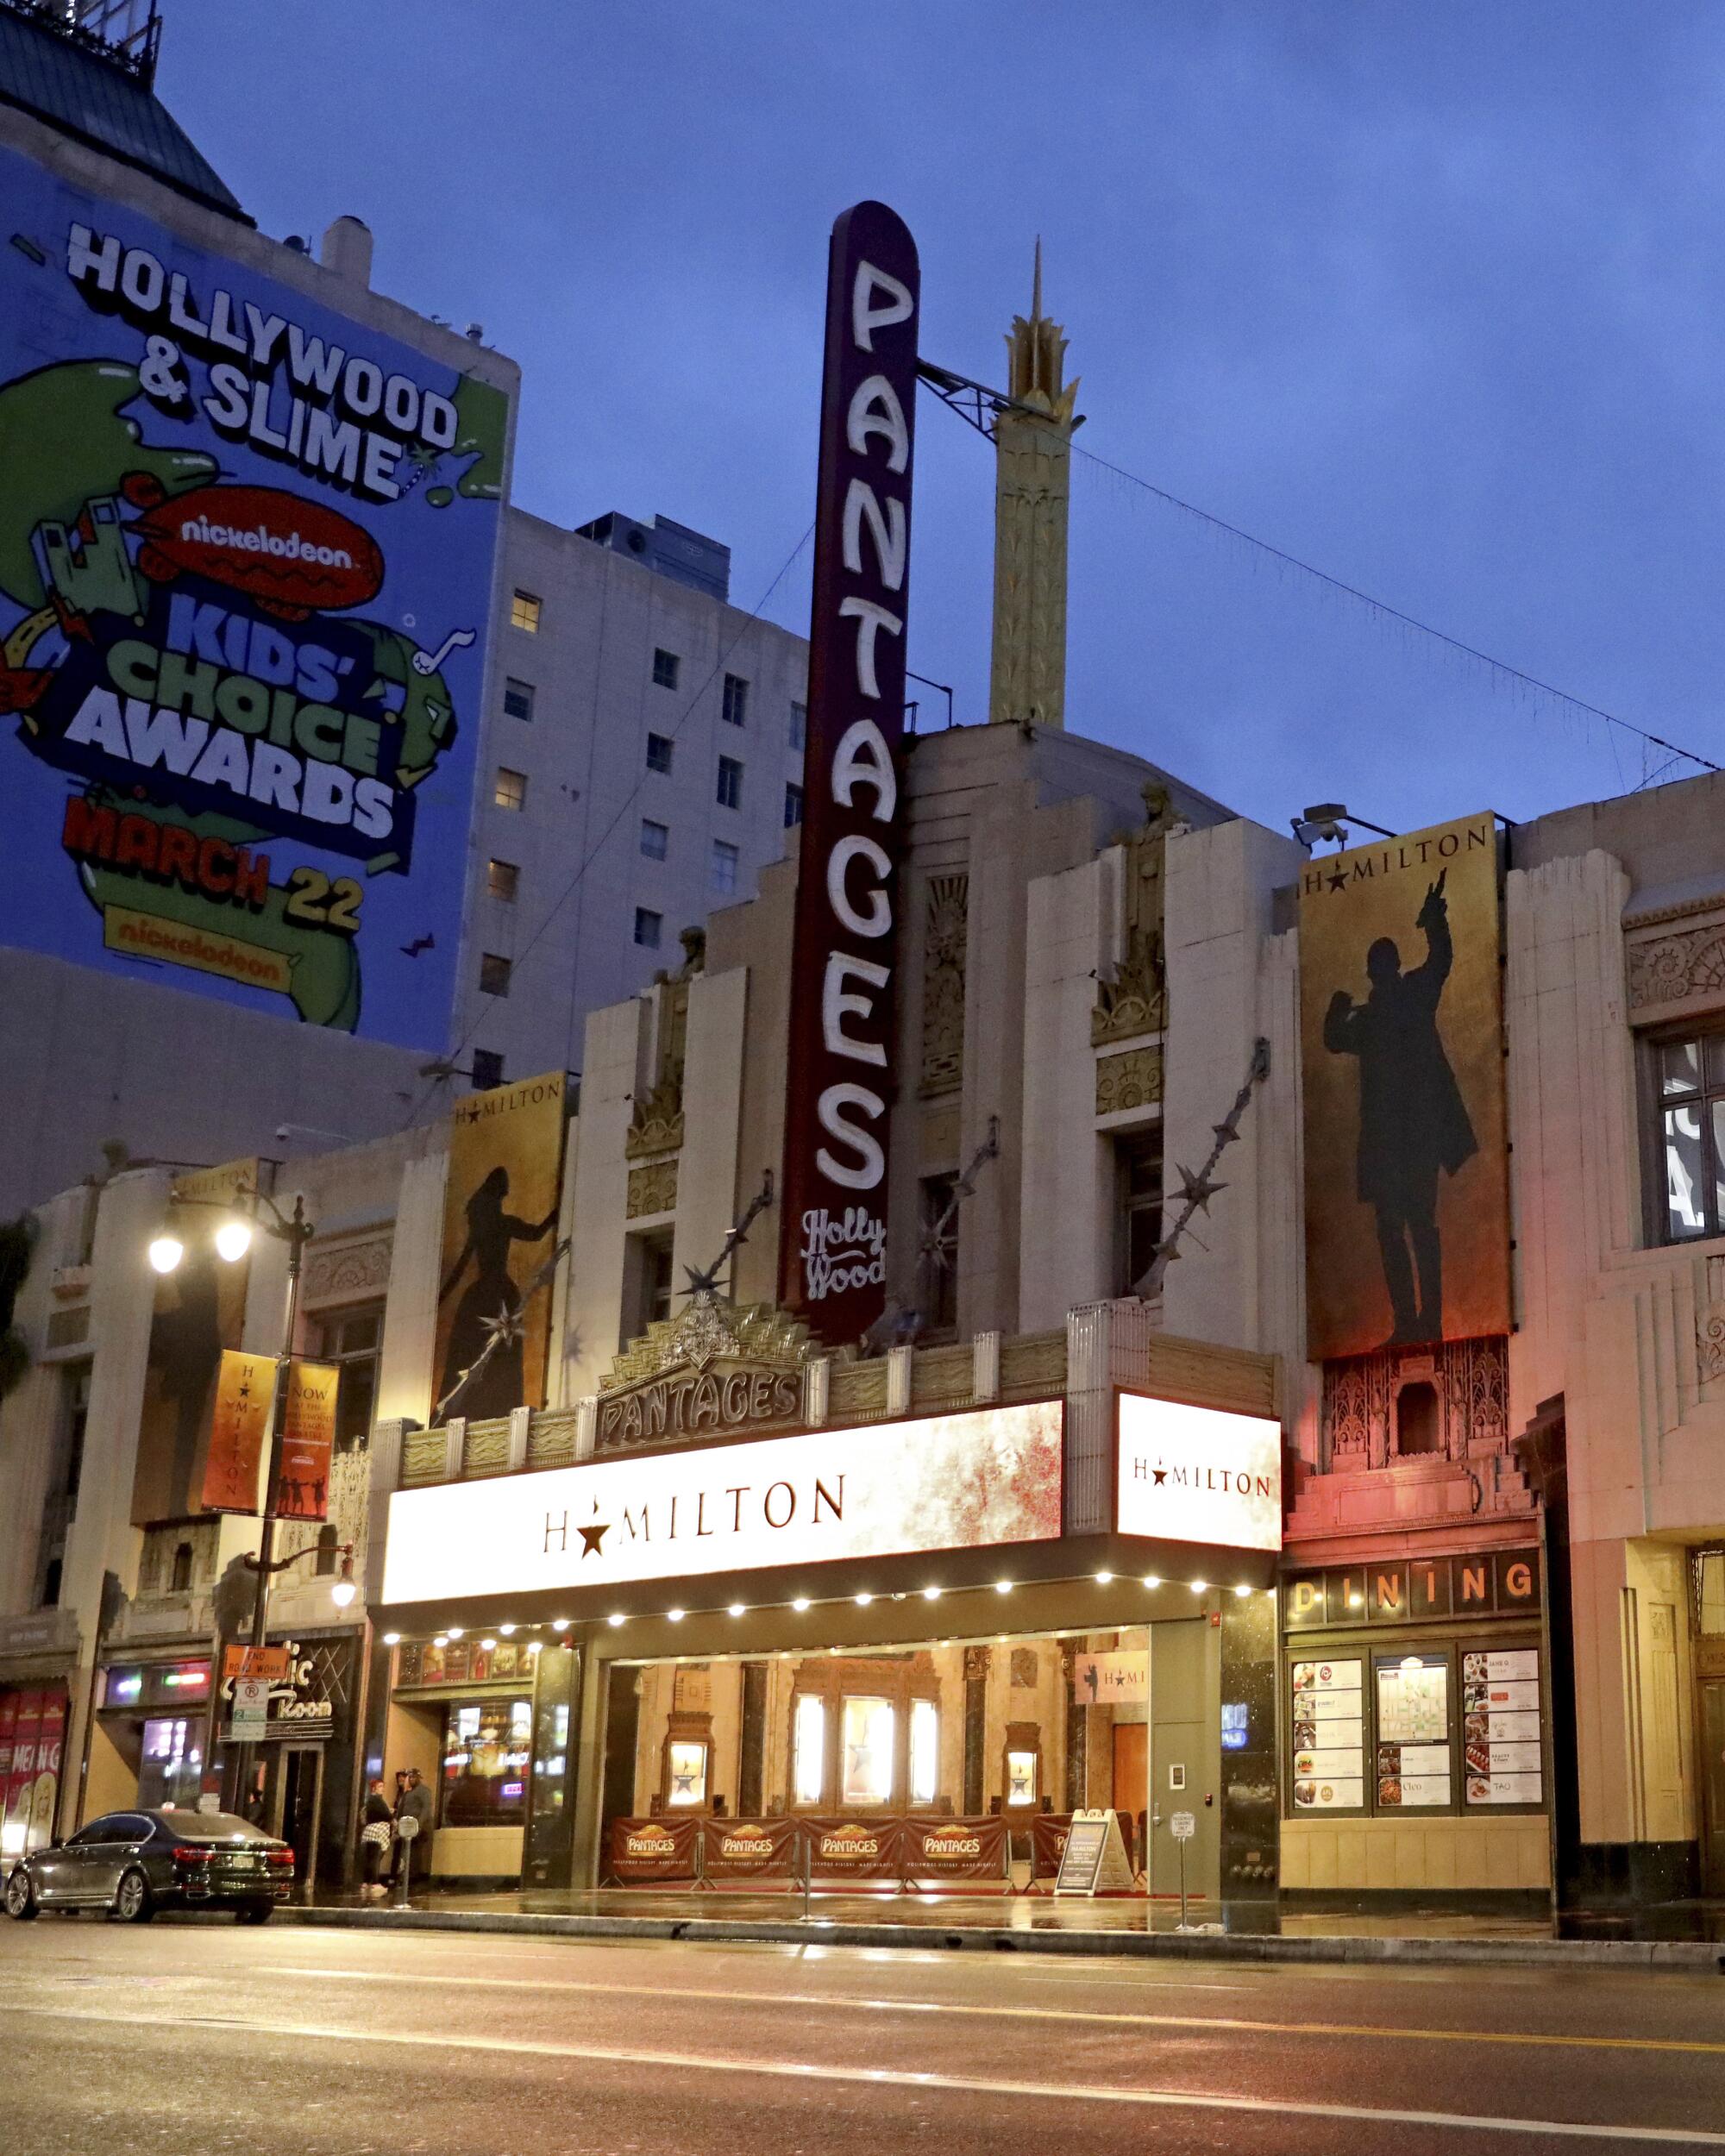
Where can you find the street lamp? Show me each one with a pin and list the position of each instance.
(233, 1239)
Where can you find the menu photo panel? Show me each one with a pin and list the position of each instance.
(1328, 1728)
(1413, 1731)
(1502, 1734)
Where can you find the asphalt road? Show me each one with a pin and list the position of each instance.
(194, 2035)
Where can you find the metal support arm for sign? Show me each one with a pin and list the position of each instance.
(705, 1281)
(895, 1321)
(1197, 1190)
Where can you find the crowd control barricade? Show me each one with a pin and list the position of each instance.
(740, 1852)
(655, 1851)
(889, 1852)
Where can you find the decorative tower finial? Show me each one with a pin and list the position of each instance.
(1033, 486)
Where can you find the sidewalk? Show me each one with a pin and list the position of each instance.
(1023, 1923)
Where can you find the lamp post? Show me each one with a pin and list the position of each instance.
(232, 1238)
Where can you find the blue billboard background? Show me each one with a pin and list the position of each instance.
(245, 559)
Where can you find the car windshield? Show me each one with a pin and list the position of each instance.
(211, 1827)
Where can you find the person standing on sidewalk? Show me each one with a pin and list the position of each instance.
(374, 1838)
(415, 1803)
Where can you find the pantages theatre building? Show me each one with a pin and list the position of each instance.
(1041, 1310)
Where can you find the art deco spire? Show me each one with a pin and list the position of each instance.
(1032, 486)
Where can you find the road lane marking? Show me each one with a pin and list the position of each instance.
(395, 1978)
(958, 2084)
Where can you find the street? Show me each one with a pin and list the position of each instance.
(195, 2033)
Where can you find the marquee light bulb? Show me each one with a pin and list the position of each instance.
(615, 1618)
(1003, 1587)
(675, 1616)
(930, 1594)
(1152, 1579)
(166, 1252)
(505, 1630)
(487, 1645)
(233, 1240)
(560, 1624)
(534, 1646)
(864, 1598)
(391, 1639)
(1198, 1585)
(1242, 1590)
(455, 1631)
(800, 1604)
(1102, 1578)
(737, 1610)
(442, 1640)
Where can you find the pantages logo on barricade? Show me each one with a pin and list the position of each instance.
(974, 1479)
(706, 1372)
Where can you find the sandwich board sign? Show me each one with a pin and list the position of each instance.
(1094, 1860)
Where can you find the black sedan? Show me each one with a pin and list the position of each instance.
(132, 1864)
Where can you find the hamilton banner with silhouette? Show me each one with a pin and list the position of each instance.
(499, 1247)
(247, 550)
(1402, 1030)
(983, 1478)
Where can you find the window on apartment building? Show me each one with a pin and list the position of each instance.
(352, 1340)
(729, 783)
(487, 1069)
(503, 881)
(646, 1283)
(667, 665)
(655, 839)
(1138, 1170)
(1689, 1079)
(726, 859)
(937, 1266)
(649, 927)
(734, 710)
(524, 613)
(659, 753)
(518, 699)
(509, 790)
(799, 725)
(494, 972)
(793, 806)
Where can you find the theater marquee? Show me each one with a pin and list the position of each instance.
(958, 1482)
(1186, 1474)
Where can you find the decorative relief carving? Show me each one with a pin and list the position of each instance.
(1685, 967)
(1131, 1079)
(653, 1187)
(349, 1270)
(656, 1125)
(1136, 999)
(1472, 1380)
(1709, 1326)
(943, 983)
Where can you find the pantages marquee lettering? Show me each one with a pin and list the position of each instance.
(832, 1252)
(686, 1403)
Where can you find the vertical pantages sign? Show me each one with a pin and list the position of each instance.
(833, 1233)
(1401, 1072)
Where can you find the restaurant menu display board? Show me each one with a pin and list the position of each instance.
(1413, 1731)
(1329, 1734)
(1500, 1702)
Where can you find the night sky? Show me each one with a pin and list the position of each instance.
(1426, 296)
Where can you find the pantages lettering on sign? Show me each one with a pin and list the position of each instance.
(965, 1480)
(686, 1402)
(832, 1249)
(1188, 1474)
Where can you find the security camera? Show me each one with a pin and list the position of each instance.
(283, 1132)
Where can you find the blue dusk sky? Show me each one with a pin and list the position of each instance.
(1430, 298)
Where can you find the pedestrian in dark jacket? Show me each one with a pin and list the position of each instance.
(416, 1804)
(376, 1822)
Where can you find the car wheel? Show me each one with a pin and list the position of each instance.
(132, 1902)
(20, 1896)
(255, 1912)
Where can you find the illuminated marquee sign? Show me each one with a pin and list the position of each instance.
(957, 1481)
(1188, 1474)
(833, 1258)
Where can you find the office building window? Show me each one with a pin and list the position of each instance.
(524, 613)
(487, 1069)
(1689, 1080)
(518, 699)
(648, 927)
(735, 708)
(659, 753)
(511, 790)
(1138, 1168)
(352, 1339)
(494, 972)
(729, 783)
(666, 668)
(655, 839)
(503, 881)
(646, 1283)
(725, 858)
(799, 725)
(793, 806)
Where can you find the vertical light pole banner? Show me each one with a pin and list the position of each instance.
(832, 1246)
(1402, 1067)
(244, 1388)
(500, 1226)
(308, 1442)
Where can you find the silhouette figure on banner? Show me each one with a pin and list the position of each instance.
(1414, 1123)
(490, 1305)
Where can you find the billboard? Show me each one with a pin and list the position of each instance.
(1401, 1067)
(832, 1251)
(1186, 1474)
(246, 562)
(970, 1480)
(500, 1228)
